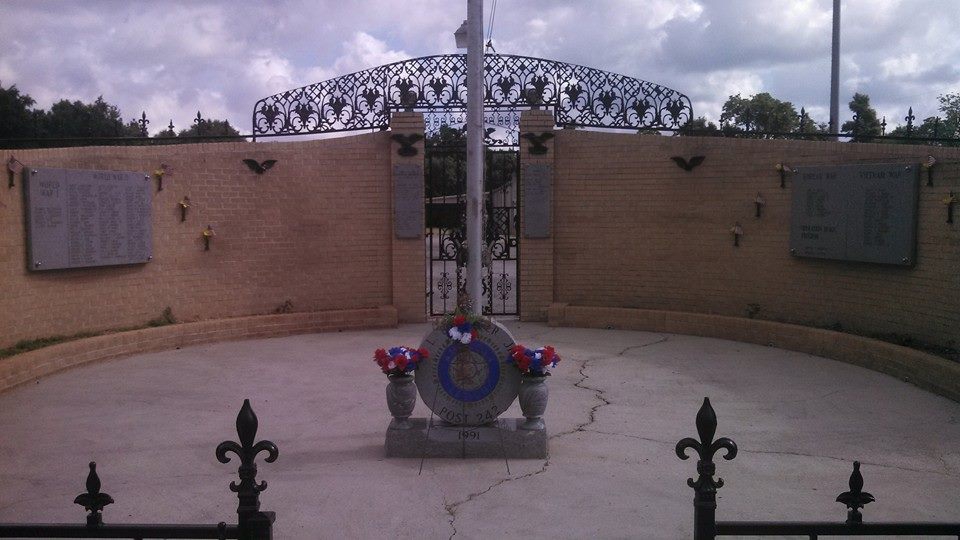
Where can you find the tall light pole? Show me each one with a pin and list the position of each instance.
(475, 151)
(835, 72)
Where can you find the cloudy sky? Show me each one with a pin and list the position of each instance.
(171, 58)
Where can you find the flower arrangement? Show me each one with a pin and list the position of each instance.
(159, 174)
(461, 329)
(399, 360)
(534, 361)
(784, 170)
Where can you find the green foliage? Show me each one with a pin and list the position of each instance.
(220, 130)
(945, 126)
(67, 119)
(164, 319)
(701, 127)
(18, 119)
(864, 126)
(27, 345)
(761, 112)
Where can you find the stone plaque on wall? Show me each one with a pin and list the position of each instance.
(863, 212)
(537, 189)
(408, 200)
(78, 218)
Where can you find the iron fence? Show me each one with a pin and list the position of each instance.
(252, 524)
(503, 125)
(706, 526)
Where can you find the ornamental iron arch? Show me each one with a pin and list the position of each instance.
(580, 96)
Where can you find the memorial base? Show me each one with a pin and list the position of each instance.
(501, 439)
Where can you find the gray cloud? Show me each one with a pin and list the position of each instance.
(173, 58)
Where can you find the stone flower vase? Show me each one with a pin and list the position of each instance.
(533, 400)
(401, 399)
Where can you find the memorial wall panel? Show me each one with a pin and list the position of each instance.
(82, 218)
(862, 212)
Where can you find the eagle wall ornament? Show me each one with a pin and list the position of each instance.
(260, 167)
(537, 146)
(406, 143)
(694, 162)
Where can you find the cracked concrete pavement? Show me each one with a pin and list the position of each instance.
(619, 402)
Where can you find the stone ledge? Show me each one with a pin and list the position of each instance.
(29, 366)
(433, 439)
(930, 372)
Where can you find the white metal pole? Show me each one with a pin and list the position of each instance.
(835, 72)
(475, 152)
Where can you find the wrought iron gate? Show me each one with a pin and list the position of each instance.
(446, 229)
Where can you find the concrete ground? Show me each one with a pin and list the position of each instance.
(619, 402)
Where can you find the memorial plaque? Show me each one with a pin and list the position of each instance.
(537, 189)
(408, 200)
(470, 384)
(863, 212)
(78, 218)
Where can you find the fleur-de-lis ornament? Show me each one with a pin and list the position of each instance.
(705, 486)
(706, 448)
(93, 500)
(856, 498)
(248, 490)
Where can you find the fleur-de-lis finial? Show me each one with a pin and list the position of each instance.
(248, 490)
(93, 500)
(855, 498)
(706, 447)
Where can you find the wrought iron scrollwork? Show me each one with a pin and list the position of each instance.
(579, 96)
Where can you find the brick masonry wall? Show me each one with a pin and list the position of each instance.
(315, 230)
(634, 230)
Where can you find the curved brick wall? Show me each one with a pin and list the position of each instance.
(315, 230)
(633, 230)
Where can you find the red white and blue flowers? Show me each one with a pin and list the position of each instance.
(462, 330)
(535, 362)
(399, 360)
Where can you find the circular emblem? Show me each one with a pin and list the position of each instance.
(468, 384)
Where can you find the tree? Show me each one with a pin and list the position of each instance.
(946, 126)
(699, 126)
(864, 126)
(77, 119)
(762, 113)
(18, 119)
(211, 130)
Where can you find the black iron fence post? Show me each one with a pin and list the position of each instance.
(705, 487)
(253, 524)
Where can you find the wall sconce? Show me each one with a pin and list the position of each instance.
(759, 202)
(207, 235)
(950, 200)
(737, 231)
(928, 166)
(159, 174)
(13, 169)
(184, 204)
(784, 171)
